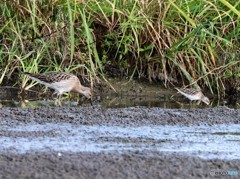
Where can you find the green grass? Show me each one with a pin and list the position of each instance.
(196, 42)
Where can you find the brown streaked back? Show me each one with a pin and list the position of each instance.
(51, 77)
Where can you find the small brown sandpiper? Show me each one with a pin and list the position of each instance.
(194, 94)
(61, 82)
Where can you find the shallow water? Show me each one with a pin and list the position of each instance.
(114, 101)
(129, 94)
(207, 142)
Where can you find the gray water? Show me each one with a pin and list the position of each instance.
(151, 96)
(217, 141)
(207, 142)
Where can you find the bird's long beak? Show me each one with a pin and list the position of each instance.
(91, 101)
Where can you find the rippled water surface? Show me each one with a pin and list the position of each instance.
(218, 141)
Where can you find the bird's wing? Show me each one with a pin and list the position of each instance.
(50, 77)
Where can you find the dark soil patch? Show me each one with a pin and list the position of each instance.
(140, 164)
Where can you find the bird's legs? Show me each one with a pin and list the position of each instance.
(58, 99)
(57, 102)
(59, 96)
(199, 101)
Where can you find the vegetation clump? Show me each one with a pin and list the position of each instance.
(192, 42)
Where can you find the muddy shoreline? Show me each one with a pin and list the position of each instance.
(116, 164)
(131, 116)
(143, 164)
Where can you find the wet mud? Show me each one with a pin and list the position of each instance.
(112, 143)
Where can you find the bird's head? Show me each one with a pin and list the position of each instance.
(206, 100)
(87, 92)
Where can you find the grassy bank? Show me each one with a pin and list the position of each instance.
(190, 41)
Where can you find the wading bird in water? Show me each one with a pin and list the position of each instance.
(61, 82)
(194, 94)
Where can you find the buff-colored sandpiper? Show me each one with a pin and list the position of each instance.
(194, 94)
(61, 82)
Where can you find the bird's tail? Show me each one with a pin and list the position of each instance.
(30, 75)
(177, 89)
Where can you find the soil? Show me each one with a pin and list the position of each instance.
(128, 164)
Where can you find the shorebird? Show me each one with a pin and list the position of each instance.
(61, 82)
(194, 94)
